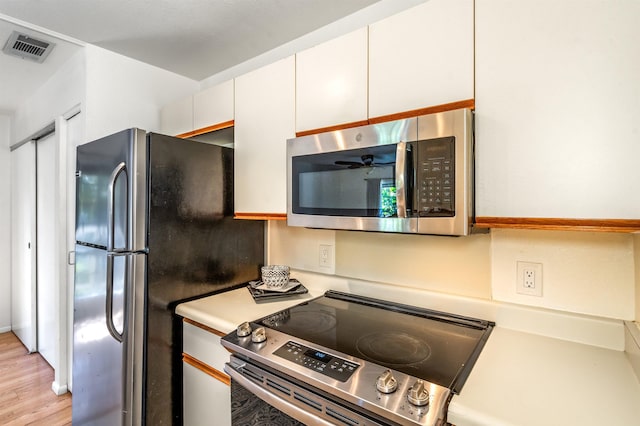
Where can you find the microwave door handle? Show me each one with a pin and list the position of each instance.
(401, 184)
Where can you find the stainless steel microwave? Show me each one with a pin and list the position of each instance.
(412, 175)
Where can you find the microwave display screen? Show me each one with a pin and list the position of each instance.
(358, 182)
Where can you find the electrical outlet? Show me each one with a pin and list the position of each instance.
(529, 278)
(325, 253)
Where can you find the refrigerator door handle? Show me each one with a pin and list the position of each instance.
(120, 168)
(109, 301)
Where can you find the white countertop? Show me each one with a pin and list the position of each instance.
(525, 379)
(225, 311)
(519, 379)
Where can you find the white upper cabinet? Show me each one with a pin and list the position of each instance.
(331, 82)
(206, 108)
(557, 109)
(264, 120)
(421, 57)
(213, 105)
(177, 117)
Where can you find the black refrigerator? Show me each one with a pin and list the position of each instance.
(154, 228)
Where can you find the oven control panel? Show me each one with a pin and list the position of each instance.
(321, 362)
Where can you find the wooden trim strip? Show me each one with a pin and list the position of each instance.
(203, 130)
(204, 327)
(469, 103)
(218, 375)
(560, 224)
(261, 216)
(332, 128)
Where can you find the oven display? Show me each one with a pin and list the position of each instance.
(321, 362)
(320, 356)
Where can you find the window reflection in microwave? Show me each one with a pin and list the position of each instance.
(369, 190)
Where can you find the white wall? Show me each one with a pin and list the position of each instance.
(64, 90)
(5, 226)
(583, 272)
(124, 93)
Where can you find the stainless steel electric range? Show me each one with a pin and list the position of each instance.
(351, 360)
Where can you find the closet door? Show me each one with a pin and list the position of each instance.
(23, 239)
(47, 254)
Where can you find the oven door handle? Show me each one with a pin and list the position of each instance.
(273, 400)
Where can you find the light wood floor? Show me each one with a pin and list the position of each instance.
(26, 397)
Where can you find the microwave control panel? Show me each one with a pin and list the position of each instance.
(435, 177)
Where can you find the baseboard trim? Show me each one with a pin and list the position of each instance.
(59, 389)
(5, 329)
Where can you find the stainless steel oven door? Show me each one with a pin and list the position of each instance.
(294, 402)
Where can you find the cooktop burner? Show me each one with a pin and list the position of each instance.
(393, 349)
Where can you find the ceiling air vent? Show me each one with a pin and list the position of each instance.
(26, 47)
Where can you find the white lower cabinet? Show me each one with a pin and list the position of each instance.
(206, 393)
(207, 401)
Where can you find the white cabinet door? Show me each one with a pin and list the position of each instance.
(207, 401)
(177, 117)
(421, 57)
(557, 107)
(23, 244)
(264, 120)
(331, 82)
(213, 105)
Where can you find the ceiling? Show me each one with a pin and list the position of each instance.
(193, 38)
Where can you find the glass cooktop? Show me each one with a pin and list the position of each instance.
(435, 346)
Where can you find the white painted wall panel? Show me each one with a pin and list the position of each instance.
(124, 93)
(5, 225)
(582, 272)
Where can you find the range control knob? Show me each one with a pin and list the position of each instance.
(418, 394)
(259, 335)
(386, 383)
(243, 329)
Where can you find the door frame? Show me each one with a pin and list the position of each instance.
(64, 206)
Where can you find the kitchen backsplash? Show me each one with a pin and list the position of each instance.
(587, 273)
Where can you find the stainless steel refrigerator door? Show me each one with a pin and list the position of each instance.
(111, 172)
(98, 358)
(107, 369)
(134, 370)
